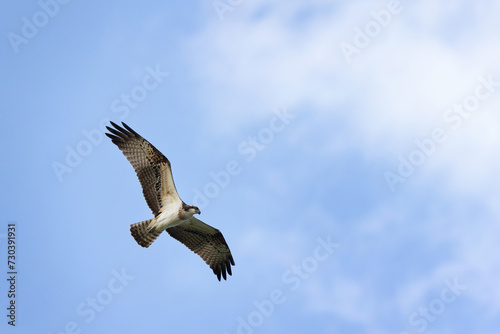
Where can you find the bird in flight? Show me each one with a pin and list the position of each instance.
(170, 212)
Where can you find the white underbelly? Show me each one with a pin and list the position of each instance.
(167, 219)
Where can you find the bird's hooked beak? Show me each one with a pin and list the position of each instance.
(198, 211)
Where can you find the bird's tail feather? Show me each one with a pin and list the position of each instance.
(140, 232)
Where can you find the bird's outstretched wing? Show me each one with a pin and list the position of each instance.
(207, 242)
(152, 167)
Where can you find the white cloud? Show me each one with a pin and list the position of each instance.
(397, 89)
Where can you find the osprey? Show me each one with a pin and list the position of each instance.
(171, 213)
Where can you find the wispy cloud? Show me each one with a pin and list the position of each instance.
(397, 90)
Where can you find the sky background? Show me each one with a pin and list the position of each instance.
(363, 142)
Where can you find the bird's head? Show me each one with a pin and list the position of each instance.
(194, 209)
(190, 210)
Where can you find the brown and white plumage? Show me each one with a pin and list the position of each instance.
(207, 242)
(171, 213)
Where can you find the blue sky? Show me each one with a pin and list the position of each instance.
(348, 151)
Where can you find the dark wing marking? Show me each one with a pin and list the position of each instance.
(207, 242)
(151, 166)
